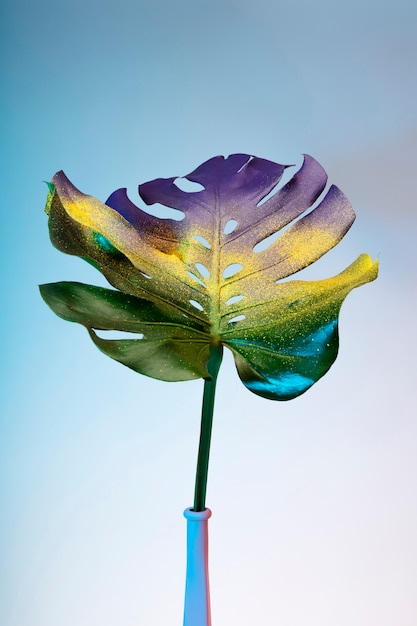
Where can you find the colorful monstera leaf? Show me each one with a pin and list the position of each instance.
(213, 278)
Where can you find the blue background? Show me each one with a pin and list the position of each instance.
(314, 507)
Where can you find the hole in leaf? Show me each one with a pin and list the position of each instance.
(197, 305)
(146, 275)
(203, 270)
(232, 269)
(230, 227)
(164, 212)
(245, 164)
(267, 242)
(118, 334)
(238, 318)
(188, 185)
(203, 241)
(285, 178)
(196, 278)
(234, 299)
(273, 191)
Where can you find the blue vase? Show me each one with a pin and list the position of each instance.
(197, 591)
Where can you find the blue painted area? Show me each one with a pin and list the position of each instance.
(104, 243)
(51, 187)
(284, 386)
(314, 344)
(285, 372)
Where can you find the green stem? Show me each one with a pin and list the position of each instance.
(215, 359)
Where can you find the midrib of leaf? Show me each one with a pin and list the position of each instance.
(214, 297)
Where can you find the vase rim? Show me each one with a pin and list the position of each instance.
(197, 516)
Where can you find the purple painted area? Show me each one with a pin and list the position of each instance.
(141, 220)
(234, 188)
(238, 180)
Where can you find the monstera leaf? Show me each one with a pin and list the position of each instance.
(214, 277)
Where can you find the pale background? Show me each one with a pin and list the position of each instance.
(314, 501)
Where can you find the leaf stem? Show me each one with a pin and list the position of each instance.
(215, 359)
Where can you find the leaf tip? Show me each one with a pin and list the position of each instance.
(51, 191)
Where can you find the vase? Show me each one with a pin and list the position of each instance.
(197, 591)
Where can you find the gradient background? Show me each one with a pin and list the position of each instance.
(314, 501)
